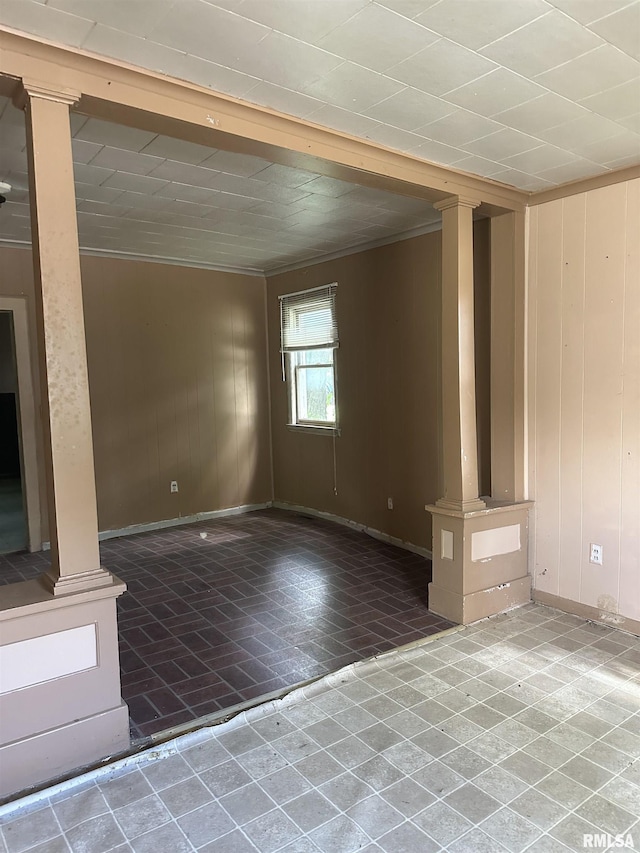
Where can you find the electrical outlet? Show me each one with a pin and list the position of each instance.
(595, 554)
(389, 503)
(174, 486)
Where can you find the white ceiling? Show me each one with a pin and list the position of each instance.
(531, 93)
(147, 195)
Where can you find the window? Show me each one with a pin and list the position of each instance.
(309, 339)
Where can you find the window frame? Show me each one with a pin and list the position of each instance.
(292, 369)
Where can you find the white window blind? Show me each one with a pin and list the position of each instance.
(308, 319)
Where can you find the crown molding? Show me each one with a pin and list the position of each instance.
(583, 185)
(354, 250)
(150, 259)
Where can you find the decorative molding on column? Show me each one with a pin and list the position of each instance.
(77, 582)
(35, 89)
(456, 201)
(461, 506)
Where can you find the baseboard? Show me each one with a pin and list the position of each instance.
(240, 510)
(354, 525)
(46, 755)
(173, 522)
(586, 611)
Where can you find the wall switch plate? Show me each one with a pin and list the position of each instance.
(389, 503)
(595, 554)
(174, 486)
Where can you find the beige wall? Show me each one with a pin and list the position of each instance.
(388, 364)
(179, 391)
(584, 396)
(178, 382)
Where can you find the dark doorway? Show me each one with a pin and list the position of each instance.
(13, 528)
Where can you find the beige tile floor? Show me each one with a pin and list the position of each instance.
(519, 733)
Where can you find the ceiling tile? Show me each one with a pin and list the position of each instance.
(571, 172)
(546, 111)
(126, 161)
(556, 37)
(479, 166)
(187, 192)
(119, 14)
(116, 135)
(283, 100)
(377, 38)
(516, 178)
(90, 192)
(399, 140)
(136, 183)
(409, 8)
(45, 21)
(133, 49)
(586, 11)
(592, 73)
(200, 71)
(497, 91)
(441, 67)
(621, 29)
(343, 120)
(183, 173)
(539, 159)
(575, 134)
(437, 152)
(353, 88)
(84, 151)
(235, 164)
(459, 128)
(177, 149)
(624, 145)
(91, 174)
(326, 186)
(282, 60)
(459, 20)
(631, 123)
(503, 143)
(308, 20)
(409, 109)
(190, 26)
(284, 176)
(616, 103)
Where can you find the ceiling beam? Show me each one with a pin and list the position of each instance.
(128, 95)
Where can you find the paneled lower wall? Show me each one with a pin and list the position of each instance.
(584, 398)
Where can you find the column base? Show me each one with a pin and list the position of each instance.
(464, 609)
(462, 506)
(77, 582)
(480, 563)
(47, 755)
(60, 701)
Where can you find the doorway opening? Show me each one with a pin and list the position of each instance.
(13, 521)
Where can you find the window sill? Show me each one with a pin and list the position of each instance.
(314, 430)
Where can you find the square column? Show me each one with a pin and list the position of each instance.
(60, 699)
(73, 520)
(479, 547)
(460, 442)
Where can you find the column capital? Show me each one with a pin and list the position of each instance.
(456, 201)
(35, 89)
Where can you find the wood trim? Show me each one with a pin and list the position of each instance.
(27, 417)
(585, 184)
(586, 611)
(120, 92)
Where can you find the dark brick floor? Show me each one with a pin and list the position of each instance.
(223, 611)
